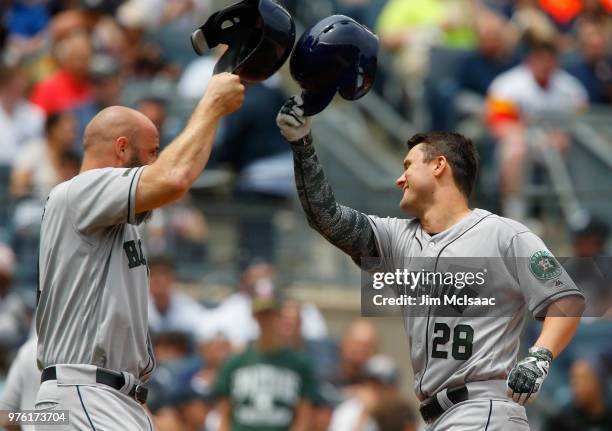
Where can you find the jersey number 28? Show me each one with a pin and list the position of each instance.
(463, 337)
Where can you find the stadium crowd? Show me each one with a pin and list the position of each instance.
(492, 67)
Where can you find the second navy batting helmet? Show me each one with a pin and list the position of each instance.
(336, 54)
(259, 34)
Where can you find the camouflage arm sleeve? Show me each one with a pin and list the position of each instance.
(344, 227)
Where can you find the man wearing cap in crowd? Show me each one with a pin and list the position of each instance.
(269, 386)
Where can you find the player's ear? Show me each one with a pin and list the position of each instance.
(440, 165)
(121, 147)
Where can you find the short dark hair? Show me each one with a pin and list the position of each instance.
(54, 119)
(539, 45)
(7, 71)
(459, 151)
(162, 261)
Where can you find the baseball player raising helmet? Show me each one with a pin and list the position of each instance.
(93, 345)
(466, 375)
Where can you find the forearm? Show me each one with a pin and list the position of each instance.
(557, 332)
(224, 409)
(344, 227)
(560, 324)
(302, 416)
(180, 164)
(189, 153)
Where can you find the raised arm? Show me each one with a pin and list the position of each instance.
(344, 227)
(180, 164)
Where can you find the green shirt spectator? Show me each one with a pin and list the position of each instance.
(265, 388)
(399, 18)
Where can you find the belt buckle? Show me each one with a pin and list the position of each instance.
(140, 394)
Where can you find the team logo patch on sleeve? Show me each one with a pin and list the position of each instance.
(544, 265)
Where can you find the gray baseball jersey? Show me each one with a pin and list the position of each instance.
(93, 282)
(451, 351)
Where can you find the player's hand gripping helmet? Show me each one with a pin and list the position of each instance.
(336, 54)
(259, 33)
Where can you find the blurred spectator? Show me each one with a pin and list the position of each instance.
(15, 317)
(150, 62)
(153, 14)
(38, 167)
(375, 394)
(22, 382)
(591, 269)
(321, 352)
(107, 84)
(181, 231)
(358, 346)
(494, 55)
(214, 349)
(593, 68)
(171, 346)
(156, 109)
(532, 21)
(250, 143)
(589, 410)
(70, 85)
(395, 415)
(169, 309)
(20, 120)
(464, 93)
(401, 21)
(70, 165)
(323, 409)
(269, 386)
(411, 28)
(532, 92)
(599, 10)
(67, 22)
(233, 316)
(590, 240)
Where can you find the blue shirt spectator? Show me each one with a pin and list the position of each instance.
(593, 65)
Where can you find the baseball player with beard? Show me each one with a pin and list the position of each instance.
(466, 373)
(93, 345)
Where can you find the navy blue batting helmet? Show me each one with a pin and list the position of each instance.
(336, 54)
(259, 34)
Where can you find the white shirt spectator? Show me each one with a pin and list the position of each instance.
(233, 318)
(24, 124)
(184, 314)
(517, 90)
(346, 417)
(35, 157)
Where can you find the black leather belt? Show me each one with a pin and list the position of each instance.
(431, 408)
(106, 377)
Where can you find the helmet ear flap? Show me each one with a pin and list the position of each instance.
(359, 80)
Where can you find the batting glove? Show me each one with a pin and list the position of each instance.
(291, 120)
(526, 377)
